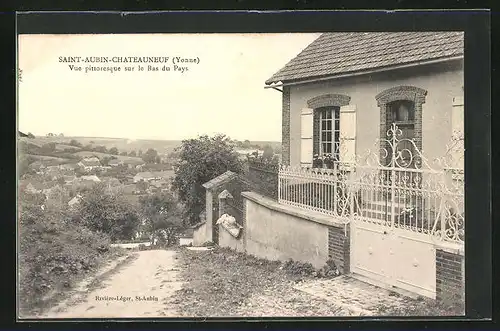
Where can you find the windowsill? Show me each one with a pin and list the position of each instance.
(410, 122)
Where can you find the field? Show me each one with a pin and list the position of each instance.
(128, 159)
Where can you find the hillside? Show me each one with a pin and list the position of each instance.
(129, 145)
(122, 144)
(64, 147)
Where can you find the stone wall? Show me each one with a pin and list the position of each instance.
(278, 232)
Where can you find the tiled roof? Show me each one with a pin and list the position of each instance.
(221, 179)
(339, 53)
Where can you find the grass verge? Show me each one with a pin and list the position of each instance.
(223, 283)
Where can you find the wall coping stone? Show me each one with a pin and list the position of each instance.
(294, 211)
(449, 247)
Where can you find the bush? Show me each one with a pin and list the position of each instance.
(53, 251)
(102, 211)
(306, 269)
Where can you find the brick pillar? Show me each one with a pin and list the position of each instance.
(383, 131)
(285, 126)
(339, 248)
(450, 280)
(418, 125)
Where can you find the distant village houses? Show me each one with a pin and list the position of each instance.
(90, 163)
(115, 163)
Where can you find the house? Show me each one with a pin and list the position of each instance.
(90, 163)
(68, 166)
(115, 163)
(363, 83)
(147, 176)
(92, 178)
(368, 105)
(365, 116)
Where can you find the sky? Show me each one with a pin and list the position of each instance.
(223, 93)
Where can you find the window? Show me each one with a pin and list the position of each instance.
(402, 105)
(402, 112)
(329, 137)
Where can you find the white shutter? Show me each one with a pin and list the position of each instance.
(348, 134)
(457, 126)
(306, 137)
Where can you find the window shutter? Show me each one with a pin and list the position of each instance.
(457, 125)
(306, 137)
(348, 134)
(316, 132)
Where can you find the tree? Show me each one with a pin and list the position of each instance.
(140, 153)
(158, 159)
(31, 135)
(100, 149)
(105, 160)
(24, 163)
(123, 154)
(201, 160)
(246, 144)
(113, 150)
(61, 134)
(161, 212)
(268, 153)
(150, 156)
(75, 143)
(133, 153)
(102, 211)
(142, 185)
(48, 148)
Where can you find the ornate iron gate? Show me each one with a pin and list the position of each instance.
(404, 208)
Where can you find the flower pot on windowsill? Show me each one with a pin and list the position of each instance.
(317, 163)
(328, 164)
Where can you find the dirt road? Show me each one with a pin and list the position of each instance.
(145, 287)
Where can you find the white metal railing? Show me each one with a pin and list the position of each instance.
(393, 193)
(318, 190)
